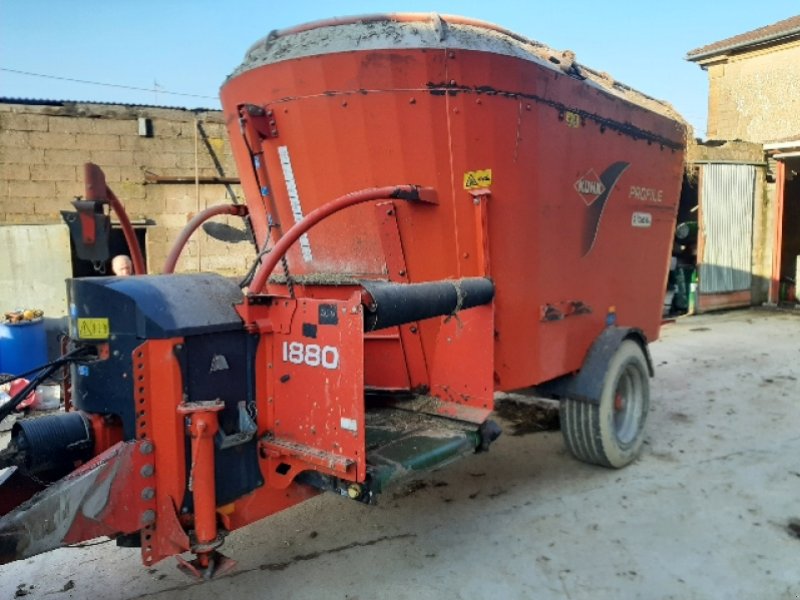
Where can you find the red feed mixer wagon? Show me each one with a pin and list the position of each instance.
(443, 210)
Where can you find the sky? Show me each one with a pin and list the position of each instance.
(180, 51)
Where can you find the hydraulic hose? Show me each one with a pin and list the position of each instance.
(396, 192)
(43, 373)
(237, 210)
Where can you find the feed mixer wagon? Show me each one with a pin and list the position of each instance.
(444, 209)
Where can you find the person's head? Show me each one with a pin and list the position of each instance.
(122, 266)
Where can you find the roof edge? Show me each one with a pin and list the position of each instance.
(794, 31)
(57, 103)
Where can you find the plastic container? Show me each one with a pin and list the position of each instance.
(48, 397)
(23, 346)
(12, 388)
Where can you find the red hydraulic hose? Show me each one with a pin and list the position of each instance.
(406, 192)
(238, 210)
(139, 267)
(98, 191)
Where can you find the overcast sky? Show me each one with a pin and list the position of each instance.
(190, 47)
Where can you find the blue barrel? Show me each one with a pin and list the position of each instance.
(23, 346)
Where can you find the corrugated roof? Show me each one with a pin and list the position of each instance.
(50, 102)
(762, 35)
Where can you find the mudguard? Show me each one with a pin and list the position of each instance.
(587, 384)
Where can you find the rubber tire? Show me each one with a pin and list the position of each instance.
(589, 430)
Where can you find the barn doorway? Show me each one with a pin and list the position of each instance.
(787, 248)
(116, 245)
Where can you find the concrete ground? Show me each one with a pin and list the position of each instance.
(711, 510)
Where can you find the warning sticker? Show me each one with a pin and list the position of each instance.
(477, 179)
(93, 329)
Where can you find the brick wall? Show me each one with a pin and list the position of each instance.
(43, 149)
(755, 96)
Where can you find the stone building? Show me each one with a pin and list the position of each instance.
(754, 97)
(164, 164)
(753, 83)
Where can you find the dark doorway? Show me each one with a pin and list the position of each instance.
(790, 232)
(681, 282)
(116, 245)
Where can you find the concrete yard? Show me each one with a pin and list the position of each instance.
(711, 510)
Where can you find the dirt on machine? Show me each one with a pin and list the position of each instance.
(443, 209)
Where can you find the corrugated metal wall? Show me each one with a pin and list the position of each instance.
(727, 194)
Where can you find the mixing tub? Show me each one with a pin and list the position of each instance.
(580, 174)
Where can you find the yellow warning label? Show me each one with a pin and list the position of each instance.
(477, 179)
(93, 329)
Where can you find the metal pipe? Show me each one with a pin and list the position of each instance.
(390, 304)
(237, 210)
(402, 192)
(169, 179)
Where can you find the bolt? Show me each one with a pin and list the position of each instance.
(452, 82)
(412, 101)
(527, 107)
(451, 55)
(146, 471)
(478, 101)
(402, 272)
(466, 254)
(146, 448)
(344, 104)
(148, 493)
(148, 516)
(412, 329)
(389, 212)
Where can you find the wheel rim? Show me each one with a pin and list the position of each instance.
(628, 405)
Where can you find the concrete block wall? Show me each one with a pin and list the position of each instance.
(43, 149)
(755, 96)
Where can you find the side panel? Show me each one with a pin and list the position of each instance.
(315, 391)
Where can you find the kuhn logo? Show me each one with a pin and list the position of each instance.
(595, 191)
(590, 187)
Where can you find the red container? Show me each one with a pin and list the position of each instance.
(583, 173)
(16, 386)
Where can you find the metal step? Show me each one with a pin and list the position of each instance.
(402, 442)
